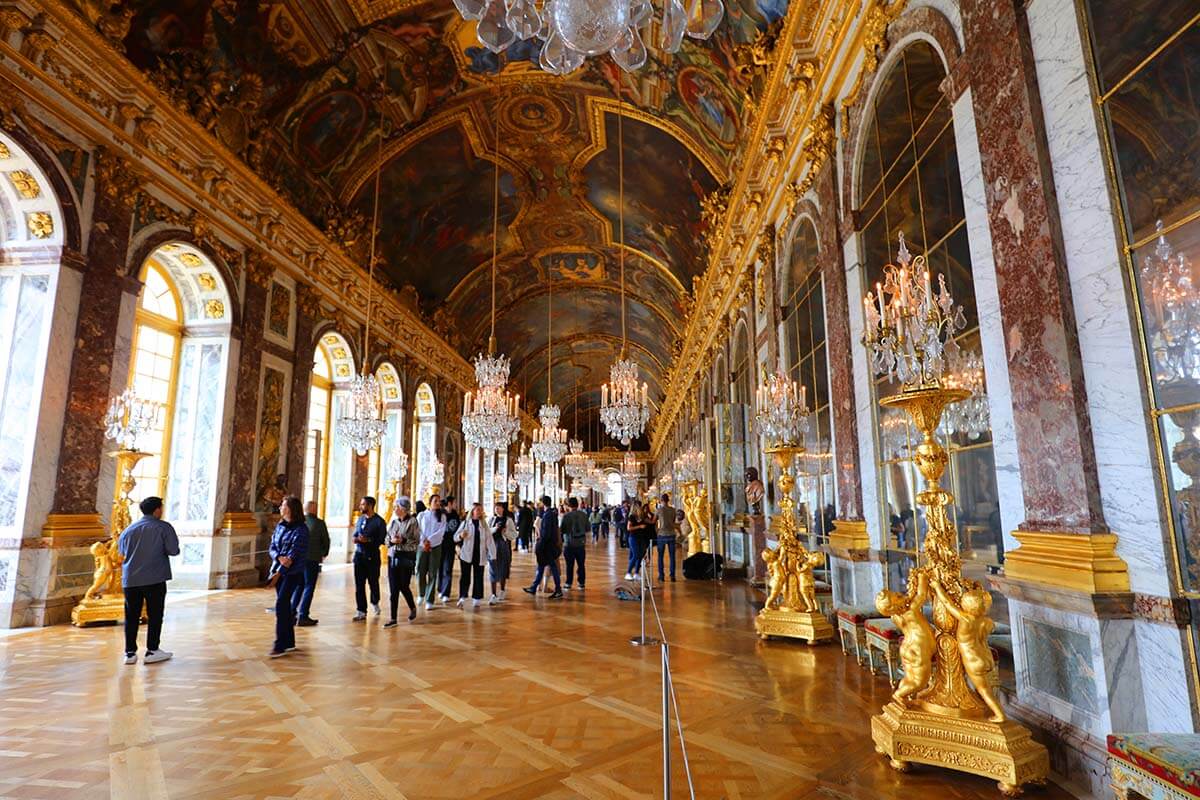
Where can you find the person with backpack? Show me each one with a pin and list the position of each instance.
(574, 532)
(548, 548)
(453, 521)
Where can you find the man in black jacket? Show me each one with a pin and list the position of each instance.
(453, 520)
(369, 536)
(548, 549)
(525, 525)
(575, 527)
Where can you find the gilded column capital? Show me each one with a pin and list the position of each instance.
(308, 301)
(259, 268)
(766, 246)
(117, 179)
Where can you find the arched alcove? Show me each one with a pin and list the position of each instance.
(425, 457)
(328, 463)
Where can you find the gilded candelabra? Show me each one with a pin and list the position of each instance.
(944, 711)
(781, 413)
(128, 417)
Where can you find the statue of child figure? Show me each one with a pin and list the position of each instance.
(916, 651)
(974, 627)
(808, 584)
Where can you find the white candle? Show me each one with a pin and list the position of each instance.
(882, 307)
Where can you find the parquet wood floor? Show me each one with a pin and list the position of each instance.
(530, 699)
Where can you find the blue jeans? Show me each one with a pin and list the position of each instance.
(302, 598)
(665, 543)
(595, 531)
(553, 566)
(575, 555)
(285, 618)
(636, 553)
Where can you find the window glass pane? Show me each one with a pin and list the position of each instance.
(158, 296)
(1154, 126)
(893, 126)
(941, 189)
(924, 73)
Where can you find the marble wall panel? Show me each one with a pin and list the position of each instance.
(30, 293)
(106, 468)
(1106, 337)
(991, 326)
(864, 404)
(1162, 668)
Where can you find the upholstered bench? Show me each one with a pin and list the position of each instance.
(852, 625)
(884, 636)
(824, 597)
(1154, 766)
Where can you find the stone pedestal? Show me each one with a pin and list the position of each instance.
(756, 528)
(235, 548)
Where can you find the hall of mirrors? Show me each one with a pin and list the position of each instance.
(909, 294)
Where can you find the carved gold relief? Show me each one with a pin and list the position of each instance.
(25, 184)
(40, 225)
(207, 282)
(190, 259)
(214, 309)
(4, 151)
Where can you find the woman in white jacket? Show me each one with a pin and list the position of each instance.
(476, 549)
(504, 533)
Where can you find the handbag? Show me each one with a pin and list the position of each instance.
(273, 578)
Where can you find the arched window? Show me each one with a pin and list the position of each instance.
(379, 459)
(909, 183)
(31, 232)
(425, 442)
(327, 459)
(154, 370)
(806, 362)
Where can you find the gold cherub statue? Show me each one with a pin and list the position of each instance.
(808, 583)
(108, 570)
(917, 648)
(974, 627)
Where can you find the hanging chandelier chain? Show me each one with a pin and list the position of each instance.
(371, 262)
(495, 213)
(621, 201)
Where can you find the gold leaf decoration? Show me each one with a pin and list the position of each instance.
(41, 226)
(214, 309)
(25, 183)
(190, 259)
(207, 282)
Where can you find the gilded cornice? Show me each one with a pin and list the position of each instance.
(63, 66)
(794, 134)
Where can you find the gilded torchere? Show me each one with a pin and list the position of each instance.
(945, 711)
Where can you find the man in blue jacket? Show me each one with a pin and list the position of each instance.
(369, 536)
(146, 547)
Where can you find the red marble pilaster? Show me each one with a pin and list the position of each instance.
(1053, 428)
(90, 385)
(307, 313)
(839, 349)
(245, 417)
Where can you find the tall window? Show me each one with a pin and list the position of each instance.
(424, 442)
(1147, 78)
(24, 307)
(153, 370)
(806, 363)
(379, 458)
(743, 367)
(910, 185)
(316, 448)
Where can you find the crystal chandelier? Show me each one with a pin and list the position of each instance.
(781, 410)
(397, 465)
(129, 416)
(631, 473)
(1171, 296)
(549, 440)
(576, 463)
(910, 332)
(691, 465)
(571, 30)
(490, 419)
(597, 481)
(894, 437)
(970, 417)
(624, 406)
(526, 469)
(363, 427)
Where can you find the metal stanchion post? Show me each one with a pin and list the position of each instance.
(666, 723)
(643, 640)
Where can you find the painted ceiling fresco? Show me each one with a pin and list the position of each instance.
(305, 91)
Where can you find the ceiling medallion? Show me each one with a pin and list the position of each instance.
(572, 30)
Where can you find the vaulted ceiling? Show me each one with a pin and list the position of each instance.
(311, 93)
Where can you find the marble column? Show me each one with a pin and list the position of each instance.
(1059, 478)
(307, 313)
(246, 532)
(74, 521)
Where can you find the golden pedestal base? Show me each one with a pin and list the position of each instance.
(811, 626)
(99, 610)
(1003, 751)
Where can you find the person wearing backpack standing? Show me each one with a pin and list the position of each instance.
(453, 521)
(575, 525)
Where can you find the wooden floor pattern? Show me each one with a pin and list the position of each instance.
(530, 699)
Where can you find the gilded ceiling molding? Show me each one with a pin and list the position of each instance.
(771, 161)
(879, 15)
(67, 68)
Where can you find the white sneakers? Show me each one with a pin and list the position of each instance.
(492, 600)
(360, 616)
(628, 576)
(503, 594)
(460, 602)
(131, 658)
(444, 599)
(154, 656)
(475, 603)
(429, 606)
(378, 610)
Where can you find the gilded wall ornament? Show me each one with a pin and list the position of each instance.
(25, 184)
(4, 151)
(214, 309)
(207, 282)
(40, 225)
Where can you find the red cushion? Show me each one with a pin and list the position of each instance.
(883, 627)
(857, 614)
